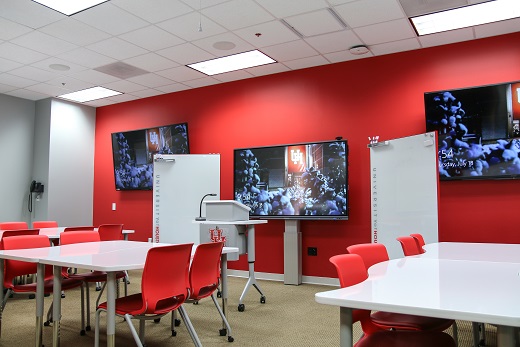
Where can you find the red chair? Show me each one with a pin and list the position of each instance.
(15, 268)
(45, 224)
(19, 232)
(111, 232)
(79, 228)
(373, 253)
(351, 270)
(80, 236)
(409, 246)
(163, 289)
(420, 241)
(13, 225)
(205, 278)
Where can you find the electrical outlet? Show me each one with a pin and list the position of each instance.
(312, 251)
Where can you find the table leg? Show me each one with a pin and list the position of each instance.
(56, 306)
(40, 274)
(506, 336)
(345, 327)
(250, 243)
(111, 309)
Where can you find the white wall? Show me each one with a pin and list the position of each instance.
(16, 156)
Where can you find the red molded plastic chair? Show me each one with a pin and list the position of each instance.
(45, 224)
(164, 288)
(373, 253)
(18, 232)
(15, 268)
(409, 245)
(205, 277)
(79, 228)
(419, 239)
(80, 236)
(13, 225)
(111, 232)
(351, 270)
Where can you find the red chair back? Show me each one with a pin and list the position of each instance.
(18, 232)
(45, 224)
(409, 245)
(13, 225)
(164, 284)
(205, 270)
(15, 268)
(420, 241)
(110, 232)
(79, 236)
(371, 253)
(67, 229)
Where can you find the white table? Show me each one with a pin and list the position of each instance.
(492, 252)
(54, 233)
(443, 288)
(249, 234)
(109, 256)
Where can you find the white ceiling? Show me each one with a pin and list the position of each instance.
(155, 39)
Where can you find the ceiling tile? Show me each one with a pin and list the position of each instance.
(201, 82)
(27, 94)
(334, 42)
(29, 13)
(10, 29)
(290, 51)
(117, 48)
(16, 81)
(74, 31)
(172, 88)
(86, 57)
(186, 54)
(315, 23)
(497, 28)
(447, 37)
(268, 69)
(395, 46)
(6, 65)
(146, 93)
(236, 14)
(367, 12)
(47, 89)
(337, 57)
(152, 38)
(271, 33)
(151, 80)
(208, 43)
(153, 11)
(187, 27)
(70, 83)
(232, 76)
(94, 77)
(20, 54)
(45, 65)
(283, 9)
(306, 62)
(4, 88)
(110, 19)
(43, 43)
(124, 86)
(32, 73)
(181, 74)
(385, 32)
(151, 62)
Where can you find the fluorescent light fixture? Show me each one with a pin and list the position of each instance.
(232, 62)
(70, 7)
(89, 94)
(463, 17)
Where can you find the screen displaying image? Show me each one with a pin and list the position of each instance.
(133, 153)
(479, 131)
(301, 181)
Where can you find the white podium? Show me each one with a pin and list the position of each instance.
(228, 221)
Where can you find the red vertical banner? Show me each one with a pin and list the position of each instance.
(296, 161)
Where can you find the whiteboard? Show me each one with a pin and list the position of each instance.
(180, 182)
(404, 190)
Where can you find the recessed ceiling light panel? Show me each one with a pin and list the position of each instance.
(89, 94)
(468, 16)
(70, 7)
(232, 63)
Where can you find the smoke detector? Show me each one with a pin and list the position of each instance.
(359, 50)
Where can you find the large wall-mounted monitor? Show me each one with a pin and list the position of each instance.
(133, 153)
(479, 131)
(296, 181)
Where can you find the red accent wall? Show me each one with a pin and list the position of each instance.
(357, 99)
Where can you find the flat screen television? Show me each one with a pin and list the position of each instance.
(479, 131)
(133, 153)
(296, 181)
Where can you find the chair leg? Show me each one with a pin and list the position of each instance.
(96, 331)
(87, 295)
(128, 319)
(455, 330)
(223, 332)
(189, 326)
(476, 333)
(82, 332)
(100, 293)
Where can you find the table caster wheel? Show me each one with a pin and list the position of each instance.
(157, 320)
(82, 332)
(177, 322)
(241, 308)
(219, 294)
(262, 300)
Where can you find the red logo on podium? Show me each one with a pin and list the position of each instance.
(216, 235)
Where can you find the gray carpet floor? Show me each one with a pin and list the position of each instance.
(289, 317)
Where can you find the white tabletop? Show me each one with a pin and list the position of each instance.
(54, 233)
(492, 252)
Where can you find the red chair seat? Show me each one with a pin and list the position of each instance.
(47, 286)
(406, 339)
(95, 276)
(402, 321)
(133, 305)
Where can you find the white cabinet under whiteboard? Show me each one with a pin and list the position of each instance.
(180, 182)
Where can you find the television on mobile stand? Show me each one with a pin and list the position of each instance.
(479, 131)
(133, 153)
(303, 181)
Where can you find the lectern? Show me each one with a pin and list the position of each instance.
(228, 221)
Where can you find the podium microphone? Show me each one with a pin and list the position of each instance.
(200, 218)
